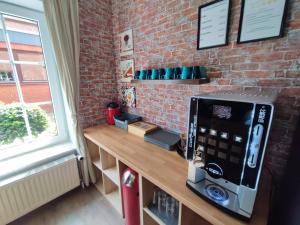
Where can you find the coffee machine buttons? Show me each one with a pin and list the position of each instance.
(202, 130)
(224, 135)
(223, 145)
(212, 142)
(238, 139)
(211, 151)
(200, 148)
(213, 132)
(202, 139)
(236, 149)
(222, 155)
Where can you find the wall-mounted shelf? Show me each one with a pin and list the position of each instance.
(189, 81)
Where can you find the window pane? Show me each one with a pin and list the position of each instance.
(12, 123)
(3, 49)
(25, 40)
(8, 89)
(42, 121)
(31, 72)
(34, 92)
(32, 77)
(6, 74)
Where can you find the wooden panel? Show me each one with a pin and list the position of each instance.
(188, 217)
(107, 160)
(108, 185)
(169, 172)
(99, 180)
(148, 220)
(147, 192)
(93, 150)
(121, 168)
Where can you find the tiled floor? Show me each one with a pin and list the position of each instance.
(78, 207)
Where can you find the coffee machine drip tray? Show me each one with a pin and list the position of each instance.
(218, 195)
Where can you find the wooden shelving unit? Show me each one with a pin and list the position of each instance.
(156, 167)
(188, 81)
(107, 175)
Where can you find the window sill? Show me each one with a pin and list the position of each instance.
(20, 164)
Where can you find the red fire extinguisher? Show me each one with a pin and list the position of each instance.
(112, 110)
(130, 189)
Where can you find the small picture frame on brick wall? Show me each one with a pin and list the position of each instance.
(213, 24)
(127, 70)
(126, 43)
(261, 20)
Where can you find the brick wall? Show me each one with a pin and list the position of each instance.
(98, 82)
(165, 35)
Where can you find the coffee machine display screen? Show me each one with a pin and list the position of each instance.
(221, 111)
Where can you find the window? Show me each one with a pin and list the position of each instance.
(31, 108)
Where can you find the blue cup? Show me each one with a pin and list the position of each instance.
(162, 73)
(186, 73)
(143, 74)
(154, 74)
(137, 75)
(169, 73)
(203, 72)
(196, 72)
(177, 72)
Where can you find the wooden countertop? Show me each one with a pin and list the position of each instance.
(168, 171)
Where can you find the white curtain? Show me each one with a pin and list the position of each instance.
(63, 23)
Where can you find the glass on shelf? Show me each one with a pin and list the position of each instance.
(164, 206)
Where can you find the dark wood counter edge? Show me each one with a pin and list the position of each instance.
(178, 81)
(262, 197)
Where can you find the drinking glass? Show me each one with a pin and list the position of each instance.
(170, 206)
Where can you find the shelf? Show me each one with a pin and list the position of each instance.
(153, 216)
(99, 186)
(114, 200)
(97, 164)
(99, 180)
(107, 160)
(112, 174)
(161, 219)
(188, 81)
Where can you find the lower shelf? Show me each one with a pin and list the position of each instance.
(112, 173)
(160, 218)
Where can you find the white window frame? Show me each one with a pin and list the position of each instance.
(54, 84)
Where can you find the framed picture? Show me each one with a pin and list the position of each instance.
(213, 24)
(127, 70)
(128, 97)
(261, 20)
(126, 43)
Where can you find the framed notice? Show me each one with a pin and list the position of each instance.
(261, 20)
(213, 24)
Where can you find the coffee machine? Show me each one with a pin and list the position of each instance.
(227, 137)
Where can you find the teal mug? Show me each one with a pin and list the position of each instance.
(203, 72)
(143, 74)
(154, 74)
(185, 73)
(169, 73)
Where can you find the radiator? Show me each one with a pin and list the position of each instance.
(28, 191)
